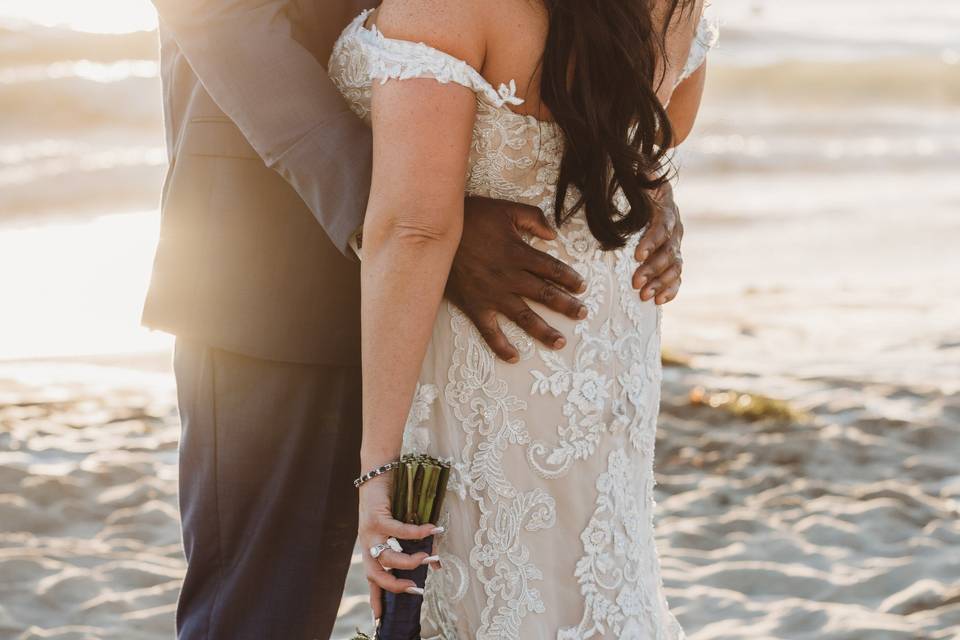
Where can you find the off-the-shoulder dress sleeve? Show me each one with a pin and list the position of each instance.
(394, 59)
(706, 38)
(362, 56)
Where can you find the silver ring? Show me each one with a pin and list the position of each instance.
(394, 544)
(377, 549)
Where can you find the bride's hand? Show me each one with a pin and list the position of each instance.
(658, 252)
(376, 524)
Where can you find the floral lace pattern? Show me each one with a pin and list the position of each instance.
(621, 600)
(489, 415)
(553, 452)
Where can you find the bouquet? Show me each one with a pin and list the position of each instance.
(419, 484)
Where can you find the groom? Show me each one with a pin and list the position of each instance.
(267, 186)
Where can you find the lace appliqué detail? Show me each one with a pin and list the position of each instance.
(621, 600)
(488, 414)
(416, 437)
(706, 38)
(386, 59)
(443, 590)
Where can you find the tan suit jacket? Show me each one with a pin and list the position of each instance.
(269, 175)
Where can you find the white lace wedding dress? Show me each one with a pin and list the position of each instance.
(549, 513)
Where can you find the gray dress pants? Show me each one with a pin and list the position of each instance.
(268, 451)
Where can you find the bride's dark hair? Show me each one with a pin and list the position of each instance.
(600, 65)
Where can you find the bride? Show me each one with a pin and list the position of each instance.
(569, 105)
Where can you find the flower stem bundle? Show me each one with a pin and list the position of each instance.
(420, 483)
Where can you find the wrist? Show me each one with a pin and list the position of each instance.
(374, 473)
(378, 481)
(375, 488)
(371, 459)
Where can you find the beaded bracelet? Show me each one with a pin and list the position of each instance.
(376, 472)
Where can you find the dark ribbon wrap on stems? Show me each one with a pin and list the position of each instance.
(401, 611)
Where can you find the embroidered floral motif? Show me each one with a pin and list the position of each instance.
(416, 437)
(443, 590)
(378, 57)
(488, 415)
(621, 598)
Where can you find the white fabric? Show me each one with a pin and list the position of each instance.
(706, 38)
(549, 513)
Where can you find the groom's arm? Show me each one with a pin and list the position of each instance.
(246, 56)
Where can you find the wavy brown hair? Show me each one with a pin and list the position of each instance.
(599, 70)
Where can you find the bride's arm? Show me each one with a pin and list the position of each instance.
(687, 36)
(421, 142)
(421, 138)
(685, 104)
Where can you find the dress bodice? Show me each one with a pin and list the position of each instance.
(513, 156)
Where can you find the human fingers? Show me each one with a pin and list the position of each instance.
(376, 604)
(658, 284)
(380, 577)
(549, 268)
(663, 259)
(388, 526)
(486, 323)
(654, 238)
(390, 559)
(548, 294)
(669, 293)
(536, 327)
(531, 219)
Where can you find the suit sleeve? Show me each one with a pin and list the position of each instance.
(247, 57)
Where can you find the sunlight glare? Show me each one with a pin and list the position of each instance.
(80, 287)
(96, 16)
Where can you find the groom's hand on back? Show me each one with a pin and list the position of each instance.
(658, 252)
(494, 270)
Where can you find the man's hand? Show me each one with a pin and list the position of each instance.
(658, 252)
(494, 270)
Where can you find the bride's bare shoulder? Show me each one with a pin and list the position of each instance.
(457, 27)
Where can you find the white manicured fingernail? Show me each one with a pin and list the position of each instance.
(430, 559)
(414, 591)
(437, 530)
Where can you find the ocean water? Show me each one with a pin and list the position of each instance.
(819, 188)
(81, 161)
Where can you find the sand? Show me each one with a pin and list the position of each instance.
(89, 537)
(837, 518)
